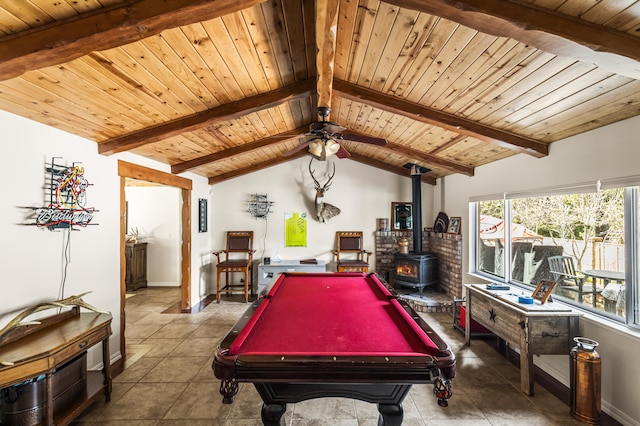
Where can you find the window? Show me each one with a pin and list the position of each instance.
(579, 237)
(491, 237)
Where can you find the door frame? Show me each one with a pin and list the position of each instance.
(134, 171)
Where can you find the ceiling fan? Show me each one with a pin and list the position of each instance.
(323, 139)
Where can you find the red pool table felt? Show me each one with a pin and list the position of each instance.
(341, 314)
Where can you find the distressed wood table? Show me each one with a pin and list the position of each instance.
(535, 329)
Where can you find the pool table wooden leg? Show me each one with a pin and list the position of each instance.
(390, 414)
(272, 414)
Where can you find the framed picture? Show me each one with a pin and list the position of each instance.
(401, 216)
(202, 215)
(543, 291)
(454, 225)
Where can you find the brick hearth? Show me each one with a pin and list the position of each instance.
(448, 248)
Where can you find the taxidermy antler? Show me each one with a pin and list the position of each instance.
(324, 211)
(18, 321)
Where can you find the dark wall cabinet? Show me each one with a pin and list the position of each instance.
(136, 256)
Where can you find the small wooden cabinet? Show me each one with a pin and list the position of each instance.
(41, 349)
(136, 260)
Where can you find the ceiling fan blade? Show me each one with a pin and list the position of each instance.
(363, 139)
(297, 149)
(343, 153)
(332, 128)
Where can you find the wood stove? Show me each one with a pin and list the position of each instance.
(416, 269)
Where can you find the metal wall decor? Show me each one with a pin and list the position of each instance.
(259, 206)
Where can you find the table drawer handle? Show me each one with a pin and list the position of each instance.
(547, 334)
(291, 269)
(83, 344)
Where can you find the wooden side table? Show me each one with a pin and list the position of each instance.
(41, 349)
(535, 329)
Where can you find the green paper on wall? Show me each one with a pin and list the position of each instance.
(295, 225)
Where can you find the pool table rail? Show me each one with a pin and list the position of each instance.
(329, 369)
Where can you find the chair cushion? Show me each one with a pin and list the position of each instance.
(233, 263)
(353, 263)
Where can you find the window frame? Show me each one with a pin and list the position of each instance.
(631, 192)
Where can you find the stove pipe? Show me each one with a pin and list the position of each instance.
(416, 198)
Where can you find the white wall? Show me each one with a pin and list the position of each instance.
(31, 259)
(155, 211)
(609, 152)
(361, 192)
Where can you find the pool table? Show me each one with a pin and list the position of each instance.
(320, 335)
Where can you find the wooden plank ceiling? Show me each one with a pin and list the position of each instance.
(226, 87)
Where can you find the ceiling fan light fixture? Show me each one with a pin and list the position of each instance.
(331, 147)
(323, 148)
(315, 147)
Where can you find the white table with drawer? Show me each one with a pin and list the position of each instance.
(267, 272)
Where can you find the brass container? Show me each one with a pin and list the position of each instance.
(585, 381)
(403, 245)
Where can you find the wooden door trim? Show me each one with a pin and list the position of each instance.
(130, 170)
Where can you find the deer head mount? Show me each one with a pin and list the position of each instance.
(324, 211)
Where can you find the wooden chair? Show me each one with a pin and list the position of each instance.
(567, 279)
(349, 243)
(238, 257)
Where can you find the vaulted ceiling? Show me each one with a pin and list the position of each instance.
(226, 87)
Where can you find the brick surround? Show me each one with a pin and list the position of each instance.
(448, 248)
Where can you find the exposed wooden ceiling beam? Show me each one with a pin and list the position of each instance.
(441, 119)
(209, 117)
(389, 168)
(429, 159)
(76, 36)
(543, 28)
(238, 150)
(326, 32)
(423, 157)
(254, 168)
(448, 144)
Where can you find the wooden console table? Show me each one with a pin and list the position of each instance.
(39, 349)
(535, 329)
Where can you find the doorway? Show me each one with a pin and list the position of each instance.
(129, 170)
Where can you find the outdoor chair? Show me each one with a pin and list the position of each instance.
(569, 281)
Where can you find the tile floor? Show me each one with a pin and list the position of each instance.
(168, 380)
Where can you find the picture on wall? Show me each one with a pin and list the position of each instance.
(295, 226)
(202, 215)
(401, 216)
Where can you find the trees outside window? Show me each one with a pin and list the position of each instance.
(586, 226)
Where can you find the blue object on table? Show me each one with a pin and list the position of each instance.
(528, 300)
(498, 287)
